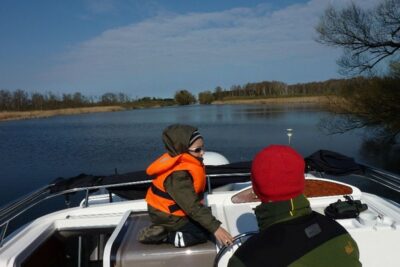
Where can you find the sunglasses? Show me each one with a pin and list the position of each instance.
(196, 150)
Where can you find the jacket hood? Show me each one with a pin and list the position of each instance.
(176, 138)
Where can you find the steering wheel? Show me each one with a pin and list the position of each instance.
(237, 240)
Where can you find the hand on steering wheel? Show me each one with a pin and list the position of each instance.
(237, 240)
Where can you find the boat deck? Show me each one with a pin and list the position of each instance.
(124, 250)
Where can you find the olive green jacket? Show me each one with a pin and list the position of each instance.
(340, 250)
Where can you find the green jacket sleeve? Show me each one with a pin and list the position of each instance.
(179, 186)
(235, 262)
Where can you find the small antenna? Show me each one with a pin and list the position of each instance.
(289, 133)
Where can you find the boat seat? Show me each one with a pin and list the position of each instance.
(127, 251)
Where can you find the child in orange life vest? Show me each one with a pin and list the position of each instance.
(175, 196)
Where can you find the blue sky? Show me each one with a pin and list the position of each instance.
(156, 47)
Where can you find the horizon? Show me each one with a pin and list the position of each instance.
(155, 48)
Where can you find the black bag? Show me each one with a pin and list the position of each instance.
(345, 209)
(332, 163)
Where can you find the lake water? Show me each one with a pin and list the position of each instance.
(35, 152)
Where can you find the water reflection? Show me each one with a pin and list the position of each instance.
(272, 111)
(375, 152)
(375, 148)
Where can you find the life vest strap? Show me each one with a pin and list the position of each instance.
(160, 193)
(172, 208)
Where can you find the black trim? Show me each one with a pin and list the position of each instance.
(160, 193)
(174, 207)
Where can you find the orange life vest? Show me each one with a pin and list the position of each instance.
(156, 196)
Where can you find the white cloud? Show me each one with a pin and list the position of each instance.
(197, 50)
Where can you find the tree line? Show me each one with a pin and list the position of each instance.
(267, 89)
(20, 100)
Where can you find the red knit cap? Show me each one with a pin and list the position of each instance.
(277, 173)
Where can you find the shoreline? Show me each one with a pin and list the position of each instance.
(320, 100)
(36, 114)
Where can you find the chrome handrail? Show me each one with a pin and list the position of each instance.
(18, 207)
(229, 174)
(382, 177)
(34, 195)
(3, 233)
(23, 199)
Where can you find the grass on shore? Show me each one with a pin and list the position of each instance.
(21, 115)
(275, 100)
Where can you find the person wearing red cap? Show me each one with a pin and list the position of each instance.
(291, 234)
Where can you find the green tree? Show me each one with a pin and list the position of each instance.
(20, 100)
(53, 101)
(366, 36)
(123, 98)
(109, 99)
(206, 97)
(5, 100)
(38, 101)
(218, 93)
(67, 100)
(184, 97)
(79, 99)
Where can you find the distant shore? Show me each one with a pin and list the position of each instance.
(277, 100)
(22, 115)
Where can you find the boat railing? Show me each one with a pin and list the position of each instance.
(385, 178)
(23, 204)
(18, 207)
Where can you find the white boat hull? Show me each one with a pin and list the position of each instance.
(377, 234)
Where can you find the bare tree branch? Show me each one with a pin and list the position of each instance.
(367, 36)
